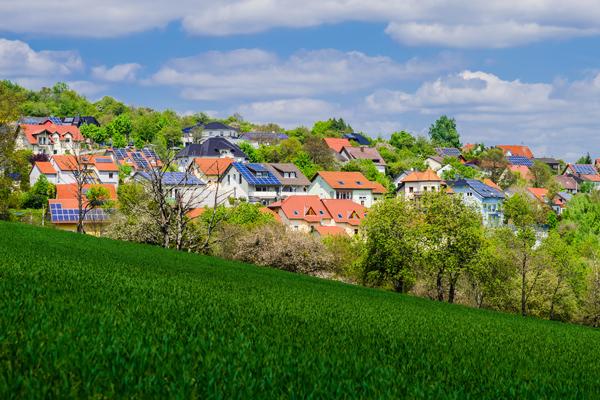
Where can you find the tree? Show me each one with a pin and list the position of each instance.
(305, 164)
(453, 235)
(95, 133)
(331, 127)
(494, 162)
(319, 153)
(392, 254)
(369, 170)
(587, 159)
(37, 197)
(250, 152)
(443, 132)
(83, 174)
(541, 174)
(402, 140)
(458, 170)
(524, 215)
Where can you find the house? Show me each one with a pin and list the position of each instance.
(181, 186)
(515, 150)
(434, 162)
(49, 138)
(540, 194)
(567, 183)
(210, 170)
(64, 209)
(484, 198)
(553, 163)
(80, 120)
(251, 182)
(64, 169)
(209, 130)
(364, 153)
(138, 160)
(346, 185)
(416, 183)
(559, 204)
(43, 168)
(522, 170)
(358, 138)
(329, 230)
(444, 152)
(258, 138)
(292, 179)
(337, 144)
(214, 147)
(309, 213)
(584, 173)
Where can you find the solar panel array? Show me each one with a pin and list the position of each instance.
(448, 152)
(520, 160)
(251, 178)
(59, 214)
(483, 189)
(584, 169)
(180, 178)
(149, 153)
(120, 153)
(103, 160)
(140, 161)
(55, 120)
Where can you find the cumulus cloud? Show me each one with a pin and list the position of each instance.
(289, 112)
(255, 73)
(454, 23)
(117, 73)
(556, 118)
(19, 60)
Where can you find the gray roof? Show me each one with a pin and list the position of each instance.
(364, 152)
(279, 168)
(211, 147)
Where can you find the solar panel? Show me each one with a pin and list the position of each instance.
(520, 160)
(59, 214)
(149, 152)
(267, 179)
(448, 152)
(180, 178)
(103, 160)
(483, 189)
(55, 120)
(120, 153)
(584, 169)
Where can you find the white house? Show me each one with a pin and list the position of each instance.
(48, 138)
(63, 169)
(346, 185)
(434, 162)
(417, 183)
(183, 187)
(254, 183)
(43, 168)
(209, 130)
(487, 199)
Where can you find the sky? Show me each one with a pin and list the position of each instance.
(509, 71)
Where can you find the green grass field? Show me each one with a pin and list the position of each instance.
(88, 317)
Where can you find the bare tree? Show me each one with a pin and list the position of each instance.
(175, 199)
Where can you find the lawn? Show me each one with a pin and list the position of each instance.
(88, 317)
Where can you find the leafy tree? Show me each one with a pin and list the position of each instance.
(443, 132)
(299, 133)
(37, 197)
(402, 140)
(587, 159)
(458, 170)
(319, 153)
(12, 97)
(494, 162)
(96, 133)
(453, 236)
(392, 253)
(331, 127)
(584, 214)
(369, 170)
(305, 164)
(541, 173)
(251, 153)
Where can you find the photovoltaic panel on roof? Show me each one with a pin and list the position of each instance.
(520, 160)
(448, 152)
(59, 214)
(120, 153)
(267, 177)
(103, 160)
(584, 169)
(483, 189)
(55, 120)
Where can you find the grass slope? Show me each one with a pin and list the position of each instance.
(81, 316)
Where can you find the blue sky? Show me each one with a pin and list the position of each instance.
(509, 71)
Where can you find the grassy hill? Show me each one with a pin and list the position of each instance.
(81, 316)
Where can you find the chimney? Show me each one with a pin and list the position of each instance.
(362, 148)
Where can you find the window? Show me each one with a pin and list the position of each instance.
(343, 194)
(356, 231)
(229, 179)
(410, 189)
(424, 188)
(110, 175)
(55, 152)
(240, 179)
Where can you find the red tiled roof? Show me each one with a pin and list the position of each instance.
(213, 166)
(330, 230)
(417, 176)
(267, 210)
(539, 193)
(45, 167)
(591, 178)
(31, 131)
(378, 188)
(65, 162)
(305, 207)
(566, 182)
(347, 180)
(468, 147)
(516, 150)
(522, 170)
(345, 211)
(491, 183)
(69, 190)
(196, 212)
(337, 144)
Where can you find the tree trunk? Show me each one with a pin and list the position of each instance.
(399, 285)
(440, 286)
(524, 288)
(452, 290)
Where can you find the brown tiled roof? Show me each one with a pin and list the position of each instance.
(279, 168)
(416, 176)
(364, 153)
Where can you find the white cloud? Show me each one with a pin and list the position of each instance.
(556, 119)
(86, 88)
(454, 23)
(18, 60)
(255, 73)
(288, 112)
(117, 73)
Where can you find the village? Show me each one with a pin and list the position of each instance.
(212, 169)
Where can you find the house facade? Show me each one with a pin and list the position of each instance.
(215, 147)
(346, 186)
(293, 181)
(416, 183)
(486, 199)
(64, 169)
(209, 130)
(49, 138)
(251, 182)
